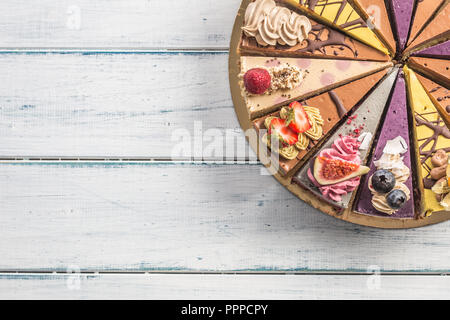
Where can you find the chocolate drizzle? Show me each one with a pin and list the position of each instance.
(439, 129)
(348, 25)
(338, 103)
(442, 97)
(334, 39)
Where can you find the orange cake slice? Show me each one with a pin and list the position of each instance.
(436, 69)
(424, 11)
(437, 31)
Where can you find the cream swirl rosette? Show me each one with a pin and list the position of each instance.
(392, 161)
(270, 24)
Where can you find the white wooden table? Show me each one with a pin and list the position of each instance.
(110, 81)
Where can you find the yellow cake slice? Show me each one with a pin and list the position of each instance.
(431, 135)
(340, 14)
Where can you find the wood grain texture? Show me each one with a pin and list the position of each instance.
(112, 105)
(184, 217)
(116, 23)
(255, 287)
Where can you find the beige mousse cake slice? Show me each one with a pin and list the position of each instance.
(315, 76)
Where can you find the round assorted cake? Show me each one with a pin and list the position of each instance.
(349, 103)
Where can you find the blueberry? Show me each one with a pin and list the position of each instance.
(396, 199)
(383, 181)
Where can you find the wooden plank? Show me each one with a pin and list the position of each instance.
(113, 105)
(117, 23)
(181, 217)
(182, 286)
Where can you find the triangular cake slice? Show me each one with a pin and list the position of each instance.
(437, 31)
(436, 69)
(402, 10)
(424, 11)
(439, 51)
(347, 150)
(340, 14)
(432, 145)
(332, 106)
(392, 153)
(376, 12)
(289, 79)
(272, 29)
(439, 95)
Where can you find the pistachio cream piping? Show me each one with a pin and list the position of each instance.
(303, 142)
(316, 121)
(270, 24)
(288, 153)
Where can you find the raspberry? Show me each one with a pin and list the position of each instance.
(257, 80)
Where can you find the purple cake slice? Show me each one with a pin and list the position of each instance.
(441, 51)
(391, 153)
(402, 11)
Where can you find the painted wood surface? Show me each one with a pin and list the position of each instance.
(113, 105)
(93, 79)
(182, 216)
(116, 23)
(178, 286)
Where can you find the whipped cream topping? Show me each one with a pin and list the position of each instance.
(270, 24)
(391, 160)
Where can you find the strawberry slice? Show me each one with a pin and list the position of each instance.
(297, 119)
(287, 136)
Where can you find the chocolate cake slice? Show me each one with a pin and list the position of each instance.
(306, 38)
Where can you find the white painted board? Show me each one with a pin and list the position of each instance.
(116, 23)
(193, 287)
(185, 217)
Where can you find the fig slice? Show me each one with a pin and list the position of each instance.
(331, 171)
